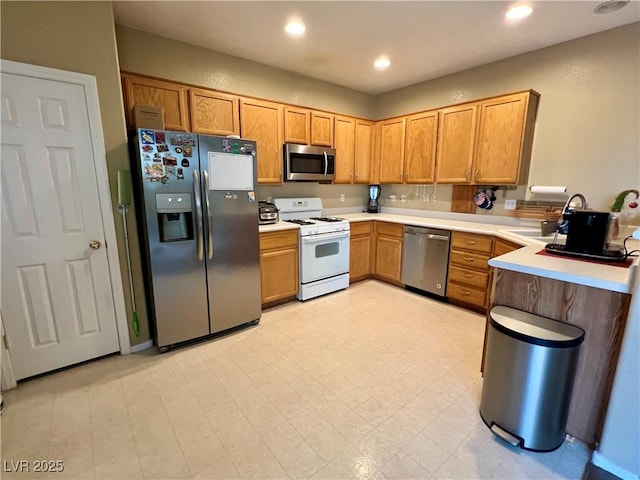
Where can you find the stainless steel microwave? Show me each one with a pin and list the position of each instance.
(311, 164)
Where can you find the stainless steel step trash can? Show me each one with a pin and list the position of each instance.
(529, 369)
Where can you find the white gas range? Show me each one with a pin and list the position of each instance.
(324, 246)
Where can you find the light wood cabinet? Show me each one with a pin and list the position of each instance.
(279, 265)
(214, 113)
(505, 134)
(171, 97)
(297, 125)
(364, 152)
(345, 139)
(392, 136)
(262, 121)
(468, 276)
(360, 251)
(388, 251)
(322, 129)
(420, 147)
(456, 137)
(501, 246)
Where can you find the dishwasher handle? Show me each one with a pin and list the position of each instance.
(430, 236)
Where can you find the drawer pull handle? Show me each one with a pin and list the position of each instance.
(465, 292)
(467, 275)
(468, 259)
(470, 242)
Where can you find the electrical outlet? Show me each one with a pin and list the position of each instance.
(509, 204)
(342, 197)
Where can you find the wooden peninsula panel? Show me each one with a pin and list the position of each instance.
(600, 313)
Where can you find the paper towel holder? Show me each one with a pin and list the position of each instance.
(548, 190)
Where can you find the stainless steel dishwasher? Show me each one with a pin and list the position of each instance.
(425, 258)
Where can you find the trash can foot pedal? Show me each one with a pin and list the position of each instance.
(506, 436)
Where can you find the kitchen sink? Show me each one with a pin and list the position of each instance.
(535, 234)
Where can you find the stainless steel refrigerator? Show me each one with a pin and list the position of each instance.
(199, 233)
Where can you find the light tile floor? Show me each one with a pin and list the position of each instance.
(372, 382)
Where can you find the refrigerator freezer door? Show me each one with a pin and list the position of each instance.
(176, 277)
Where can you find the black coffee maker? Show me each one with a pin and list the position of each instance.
(373, 206)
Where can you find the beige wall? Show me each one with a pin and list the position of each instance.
(588, 126)
(148, 54)
(80, 37)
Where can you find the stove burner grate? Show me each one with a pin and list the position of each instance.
(327, 219)
(300, 222)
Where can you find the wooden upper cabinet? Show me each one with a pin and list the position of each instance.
(503, 143)
(345, 134)
(214, 113)
(364, 152)
(171, 97)
(456, 136)
(392, 133)
(322, 129)
(262, 122)
(420, 148)
(297, 125)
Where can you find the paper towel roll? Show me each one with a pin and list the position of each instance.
(548, 189)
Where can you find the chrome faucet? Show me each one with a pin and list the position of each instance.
(568, 204)
(563, 224)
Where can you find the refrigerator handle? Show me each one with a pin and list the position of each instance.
(205, 177)
(196, 192)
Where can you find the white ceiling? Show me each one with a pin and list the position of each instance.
(424, 39)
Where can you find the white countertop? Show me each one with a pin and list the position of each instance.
(525, 260)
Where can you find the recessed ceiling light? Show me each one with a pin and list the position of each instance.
(295, 27)
(382, 62)
(519, 11)
(610, 6)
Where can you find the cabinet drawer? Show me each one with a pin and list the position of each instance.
(503, 246)
(472, 241)
(468, 277)
(473, 260)
(389, 229)
(360, 228)
(271, 240)
(466, 294)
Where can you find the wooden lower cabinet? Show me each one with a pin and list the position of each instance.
(360, 251)
(388, 251)
(278, 265)
(468, 279)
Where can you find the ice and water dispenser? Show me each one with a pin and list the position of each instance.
(175, 216)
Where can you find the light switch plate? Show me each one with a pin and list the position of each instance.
(342, 197)
(509, 204)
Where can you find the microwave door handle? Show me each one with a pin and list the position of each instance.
(196, 193)
(205, 178)
(326, 163)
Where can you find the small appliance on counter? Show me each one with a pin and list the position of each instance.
(267, 212)
(589, 235)
(373, 205)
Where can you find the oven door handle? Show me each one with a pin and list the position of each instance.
(326, 163)
(324, 236)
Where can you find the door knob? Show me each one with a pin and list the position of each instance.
(94, 244)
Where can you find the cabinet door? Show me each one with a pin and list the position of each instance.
(279, 274)
(262, 122)
(420, 148)
(297, 123)
(214, 113)
(456, 136)
(388, 261)
(363, 161)
(321, 129)
(171, 97)
(345, 147)
(392, 150)
(500, 135)
(359, 258)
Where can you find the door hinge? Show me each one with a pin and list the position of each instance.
(5, 340)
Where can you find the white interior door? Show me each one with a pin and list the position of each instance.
(57, 299)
